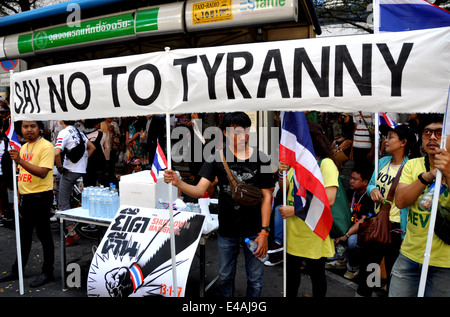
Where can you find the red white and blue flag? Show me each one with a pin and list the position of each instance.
(408, 15)
(14, 141)
(296, 150)
(385, 119)
(159, 163)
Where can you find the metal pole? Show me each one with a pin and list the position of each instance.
(16, 203)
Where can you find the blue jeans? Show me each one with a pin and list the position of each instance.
(353, 253)
(228, 250)
(406, 278)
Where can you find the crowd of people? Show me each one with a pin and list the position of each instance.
(409, 152)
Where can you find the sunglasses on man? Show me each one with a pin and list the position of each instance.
(427, 133)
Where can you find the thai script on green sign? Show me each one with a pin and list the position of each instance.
(92, 30)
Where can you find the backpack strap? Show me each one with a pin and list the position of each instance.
(231, 178)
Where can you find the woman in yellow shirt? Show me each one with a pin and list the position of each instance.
(302, 244)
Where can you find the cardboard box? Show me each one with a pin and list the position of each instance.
(139, 189)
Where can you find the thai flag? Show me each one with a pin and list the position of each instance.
(296, 150)
(384, 119)
(159, 163)
(12, 136)
(407, 15)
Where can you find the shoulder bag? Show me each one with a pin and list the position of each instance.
(442, 226)
(242, 193)
(377, 229)
(76, 153)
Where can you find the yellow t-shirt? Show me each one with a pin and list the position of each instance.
(384, 180)
(301, 240)
(414, 244)
(40, 153)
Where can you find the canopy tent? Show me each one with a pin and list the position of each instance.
(406, 72)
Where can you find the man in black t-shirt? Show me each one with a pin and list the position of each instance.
(236, 222)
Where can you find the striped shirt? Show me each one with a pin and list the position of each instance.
(361, 138)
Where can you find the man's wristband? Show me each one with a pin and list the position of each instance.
(423, 180)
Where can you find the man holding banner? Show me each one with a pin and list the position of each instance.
(418, 174)
(237, 221)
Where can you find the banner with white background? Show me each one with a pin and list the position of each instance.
(405, 72)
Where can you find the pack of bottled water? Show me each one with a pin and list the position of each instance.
(102, 202)
(192, 207)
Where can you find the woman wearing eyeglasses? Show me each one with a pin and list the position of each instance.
(418, 174)
(398, 143)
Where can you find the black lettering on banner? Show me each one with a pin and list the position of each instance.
(234, 75)
(36, 96)
(28, 96)
(184, 62)
(364, 81)
(396, 68)
(156, 89)
(87, 86)
(17, 108)
(320, 82)
(278, 74)
(53, 91)
(114, 72)
(211, 73)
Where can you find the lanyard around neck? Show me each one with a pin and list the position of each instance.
(28, 158)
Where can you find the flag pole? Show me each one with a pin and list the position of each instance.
(377, 141)
(434, 206)
(284, 220)
(16, 203)
(376, 16)
(172, 234)
(284, 235)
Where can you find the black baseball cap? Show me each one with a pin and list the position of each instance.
(403, 130)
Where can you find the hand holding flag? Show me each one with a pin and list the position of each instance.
(296, 150)
(159, 163)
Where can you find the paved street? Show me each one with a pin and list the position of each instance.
(81, 253)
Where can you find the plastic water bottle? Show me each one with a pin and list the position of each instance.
(116, 203)
(96, 202)
(426, 201)
(84, 197)
(90, 201)
(108, 205)
(252, 245)
(103, 211)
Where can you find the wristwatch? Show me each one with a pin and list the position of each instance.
(266, 228)
(423, 181)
